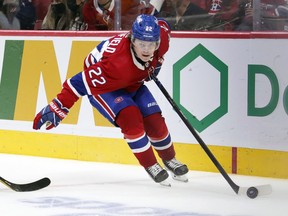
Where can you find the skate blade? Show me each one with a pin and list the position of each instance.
(165, 183)
(182, 178)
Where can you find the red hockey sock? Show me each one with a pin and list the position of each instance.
(167, 154)
(130, 121)
(146, 158)
(156, 129)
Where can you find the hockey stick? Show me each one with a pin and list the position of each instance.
(251, 192)
(33, 186)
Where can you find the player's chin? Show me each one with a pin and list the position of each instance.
(145, 58)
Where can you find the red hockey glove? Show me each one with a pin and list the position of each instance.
(52, 115)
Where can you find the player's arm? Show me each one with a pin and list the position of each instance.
(96, 54)
(52, 114)
(91, 81)
(57, 110)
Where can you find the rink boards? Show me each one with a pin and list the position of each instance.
(231, 87)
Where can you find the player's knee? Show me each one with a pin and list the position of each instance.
(155, 126)
(130, 121)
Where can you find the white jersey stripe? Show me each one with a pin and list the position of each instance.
(136, 139)
(163, 147)
(143, 149)
(86, 84)
(155, 141)
(72, 88)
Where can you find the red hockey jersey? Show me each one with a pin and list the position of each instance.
(117, 68)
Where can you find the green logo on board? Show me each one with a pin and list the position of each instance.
(219, 67)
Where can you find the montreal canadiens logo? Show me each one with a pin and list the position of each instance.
(118, 99)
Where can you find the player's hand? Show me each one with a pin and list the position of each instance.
(155, 72)
(52, 115)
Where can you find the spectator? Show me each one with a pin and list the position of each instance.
(184, 15)
(215, 6)
(152, 7)
(76, 7)
(274, 14)
(41, 11)
(98, 15)
(58, 16)
(225, 14)
(246, 16)
(41, 8)
(27, 15)
(130, 9)
(204, 4)
(8, 19)
(282, 11)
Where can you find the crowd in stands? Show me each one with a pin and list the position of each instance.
(186, 15)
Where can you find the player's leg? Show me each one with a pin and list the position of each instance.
(157, 131)
(130, 121)
(160, 138)
(121, 110)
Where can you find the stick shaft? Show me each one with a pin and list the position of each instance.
(234, 186)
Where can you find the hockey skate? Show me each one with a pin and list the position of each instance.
(177, 169)
(158, 174)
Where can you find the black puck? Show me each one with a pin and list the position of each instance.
(252, 192)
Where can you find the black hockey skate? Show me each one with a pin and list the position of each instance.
(177, 169)
(158, 174)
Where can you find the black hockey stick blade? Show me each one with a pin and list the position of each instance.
(251, 192)
(261, 190)
(33, 186)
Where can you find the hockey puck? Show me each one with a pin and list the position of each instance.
(252, 192)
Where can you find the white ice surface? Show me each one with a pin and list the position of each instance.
(100, 189)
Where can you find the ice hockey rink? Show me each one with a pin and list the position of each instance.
(99, 189)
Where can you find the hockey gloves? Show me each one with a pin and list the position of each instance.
(155, 72)
(52, 115)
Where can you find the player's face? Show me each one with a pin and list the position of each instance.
(144, 49)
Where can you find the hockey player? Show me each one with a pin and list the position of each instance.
(113, 80)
